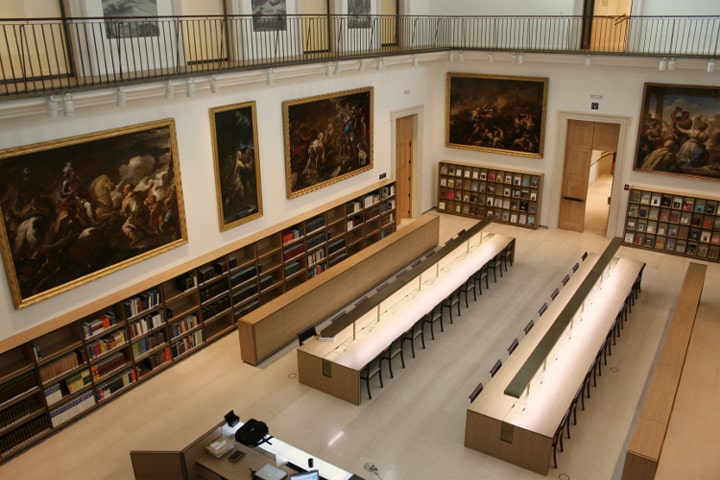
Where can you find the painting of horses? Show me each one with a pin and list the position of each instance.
(498, 114)
(680, 131)
(237, 172)
(79, 208)
(328, 138)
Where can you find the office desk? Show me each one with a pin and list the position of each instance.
(194, 462)
(520, 430)
(334, 367)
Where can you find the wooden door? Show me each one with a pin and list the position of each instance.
(608, 26)
(582, 138)
(315, 25)
(404, 170)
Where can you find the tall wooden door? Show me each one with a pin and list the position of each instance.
(404, 127)
(582, 138)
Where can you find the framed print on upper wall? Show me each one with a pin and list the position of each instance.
(237, 172)
(498, 114)
(328, 138)
(679, 133)
(79, 208)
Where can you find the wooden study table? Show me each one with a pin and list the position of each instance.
(520, 429)
(335, 366)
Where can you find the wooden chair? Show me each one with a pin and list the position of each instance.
(372, 369)
(435, 315)
(465, 288)
(417, 330)
(394, 350)
(452, 300)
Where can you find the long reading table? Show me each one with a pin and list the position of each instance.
(335, 366)
(518, 425)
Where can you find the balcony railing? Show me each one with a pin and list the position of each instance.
(51, 55)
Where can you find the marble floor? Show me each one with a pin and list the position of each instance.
(413, 427)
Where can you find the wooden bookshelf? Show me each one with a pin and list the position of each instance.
(673, 222)
(512, 196)
(62, 369)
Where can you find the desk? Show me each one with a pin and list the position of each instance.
(195, 462)
(334, 367)
(520, 430)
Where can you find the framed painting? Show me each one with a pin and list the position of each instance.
(496, 113)
(76, 209)
(678, 131)
(269, 15)
(328, 138)
(359, 14)
(136, 21)
(237, 172)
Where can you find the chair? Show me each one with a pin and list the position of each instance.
(509, 255)
(452, 300)
(435, 315)
(371, 370)
(558, 437)
(480, 275)
(495, 265)
(465, 288)
(394, 350)
(417, 330)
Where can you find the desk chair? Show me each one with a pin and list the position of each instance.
(417, 330)
(394, 350)
(465, 288)
(558, 437)
(480, 275)
(496, 265)
(372, 369)
(452, 300)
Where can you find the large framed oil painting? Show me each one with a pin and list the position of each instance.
(76, 209)
(237, 172)
(679, 131)
(498, 114)
(328, 138)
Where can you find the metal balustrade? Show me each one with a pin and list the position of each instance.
(52, 55)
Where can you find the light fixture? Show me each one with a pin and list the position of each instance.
(337, 68)
(381, 64)
(213, 84)
(361, 65)
(671, 64)
(121, 100)
(190, 87)
(328, 69)
(169, 90)
(490, 57)
(451, 56)
(52, 111)
(269, 78)
(462, 56)
(520, 58)
(662, 66)
(588, 61)
(68, 105)
(415, 60)
(711, 65)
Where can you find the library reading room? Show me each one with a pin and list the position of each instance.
(362, 239)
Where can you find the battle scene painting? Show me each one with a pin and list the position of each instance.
(680, 131)
(328, 138)
(76, 209)
(237, 173)
(496, 114)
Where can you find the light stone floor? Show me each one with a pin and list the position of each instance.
(411, 429)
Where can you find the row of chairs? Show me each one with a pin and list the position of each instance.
(452, 303)
(595, 370)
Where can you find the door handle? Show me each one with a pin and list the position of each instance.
(574, 199)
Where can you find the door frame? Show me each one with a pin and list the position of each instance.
(623, 167)
(417, 188)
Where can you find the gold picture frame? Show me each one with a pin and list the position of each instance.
(501, 114)
(237, 171)
(328, 138)
(79, 208)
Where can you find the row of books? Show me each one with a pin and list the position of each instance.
(146, 344)
(674, 216)
(107, 365)
(16, 412)
(292, 268)
(388, 205)
(315, 223)
(292, 234)
(371, 200)
(72, 408)
(243, 275)
(62, 365)
(677, 202)
(187, 323)
(72, 384)
(315, 256)
(146, 324)
(387, 191)
(316, 270)
(106, 389)
(293, 252)
(107, 343)
(157, 359)
(187, 343)
(489, 175)
(215, 307)
(316, 240)
(99, 324)
(24, 433)
(676, 245)
(17, 386)
(144, 301)
(213, 290)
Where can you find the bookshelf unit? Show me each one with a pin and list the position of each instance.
(673, 222)
(62, 369)
(512, 196)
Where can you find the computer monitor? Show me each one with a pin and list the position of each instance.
(310, 475)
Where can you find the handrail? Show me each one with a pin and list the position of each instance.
(41, 56)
